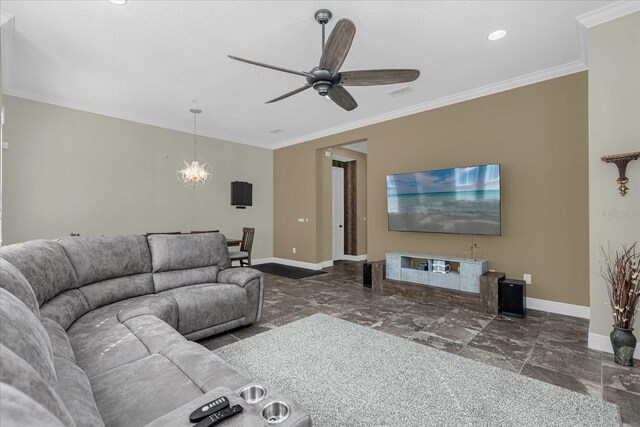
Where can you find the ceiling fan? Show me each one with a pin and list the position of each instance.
(327, 79)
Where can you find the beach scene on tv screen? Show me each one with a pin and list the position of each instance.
(460, 200)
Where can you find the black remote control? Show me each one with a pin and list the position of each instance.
(218, 417)
(209, 409)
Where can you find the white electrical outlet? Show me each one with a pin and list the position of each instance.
(294, 250)
(527, 278)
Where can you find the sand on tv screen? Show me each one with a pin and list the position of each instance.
(460, 200)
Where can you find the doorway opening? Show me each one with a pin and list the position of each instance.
(348, 201)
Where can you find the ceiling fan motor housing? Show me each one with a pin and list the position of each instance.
(323, 80)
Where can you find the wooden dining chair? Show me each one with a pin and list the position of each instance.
(209, 231)
(243, 256)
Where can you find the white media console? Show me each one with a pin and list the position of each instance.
(464, 274)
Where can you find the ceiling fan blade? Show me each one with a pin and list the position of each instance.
(273, 67)
(340, 96)
(378, 77)
(286, 95)
(337, 46)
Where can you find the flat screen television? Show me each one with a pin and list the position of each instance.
(459, 201)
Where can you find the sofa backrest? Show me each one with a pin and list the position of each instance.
(45, 266)
(187, 259)
(14, 281)
(179, 252)
(26, 356)
(98, 258)
(109, 268)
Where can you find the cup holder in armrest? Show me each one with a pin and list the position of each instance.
(253, 393)
(275, 412)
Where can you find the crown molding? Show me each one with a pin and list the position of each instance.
(112, 113)
(608, 13)
(527, 79)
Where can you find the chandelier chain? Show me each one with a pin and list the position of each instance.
(195, 144)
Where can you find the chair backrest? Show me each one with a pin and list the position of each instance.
(247, 239)
(209, 231)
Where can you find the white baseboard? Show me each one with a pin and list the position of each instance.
(326, 264)
(355, 257)
(603, 343)
(559, 308)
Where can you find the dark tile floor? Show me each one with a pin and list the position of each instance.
(545, 346)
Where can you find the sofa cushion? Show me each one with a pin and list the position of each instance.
(14, 281)
(100, 342)
(60, 345)
(139, 392)
(206, 369)
(155, 334)
(75, 391)
(164, 308)
(165, 280)
(206, 305)
(19, 374)
(24, 335)
(19, 409)
(179, 252)
(65, 308)
(97, 258)
(45, 266)
(117, 289)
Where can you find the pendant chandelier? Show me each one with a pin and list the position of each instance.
(194, 172)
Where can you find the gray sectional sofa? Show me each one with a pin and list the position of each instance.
(96, 331)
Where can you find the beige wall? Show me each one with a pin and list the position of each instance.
(614, 127)
(302, 189)
(539, 135)
(72, 171)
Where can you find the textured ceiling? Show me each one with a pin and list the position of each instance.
(148, 61)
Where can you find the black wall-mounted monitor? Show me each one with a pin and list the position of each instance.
(241, 194)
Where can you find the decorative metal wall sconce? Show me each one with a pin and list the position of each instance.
(621, 161)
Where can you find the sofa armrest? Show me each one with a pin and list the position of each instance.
(180, 416)
(250, 417)
(239, 276)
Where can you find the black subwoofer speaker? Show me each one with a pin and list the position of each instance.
(367, 279)
(512, 295)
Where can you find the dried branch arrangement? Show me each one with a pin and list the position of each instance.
(621, 271)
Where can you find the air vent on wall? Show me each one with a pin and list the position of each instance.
(400, 92)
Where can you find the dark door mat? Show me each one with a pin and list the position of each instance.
(287, 271)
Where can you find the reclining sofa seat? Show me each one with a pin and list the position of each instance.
(92, 328)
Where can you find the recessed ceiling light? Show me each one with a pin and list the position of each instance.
(497, 35)
(118, 2)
